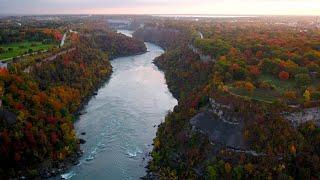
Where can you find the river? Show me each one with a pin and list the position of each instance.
(121, 120)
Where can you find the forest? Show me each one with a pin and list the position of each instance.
(267, 63)
(14, 35)
(268, 67)
(117, 45)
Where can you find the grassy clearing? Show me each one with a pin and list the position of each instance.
(267, 96)
(18, 49)
(280, 85)
(271, 95)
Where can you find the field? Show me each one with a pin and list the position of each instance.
(18, 49)
(267, 96)
(280, 86)
(276, 93)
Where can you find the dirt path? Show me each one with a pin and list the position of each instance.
(48, 59)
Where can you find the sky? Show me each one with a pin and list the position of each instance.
(226, 7)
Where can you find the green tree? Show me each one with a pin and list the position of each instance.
(212, 172)
(269, 66)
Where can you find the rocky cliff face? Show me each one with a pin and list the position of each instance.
(306, 115)
(203, 57)
(223, 127)
(220, 131)
(221, 124)
(225, 113)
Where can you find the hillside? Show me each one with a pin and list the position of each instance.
(197, 139)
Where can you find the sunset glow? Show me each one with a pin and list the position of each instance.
(244, 7)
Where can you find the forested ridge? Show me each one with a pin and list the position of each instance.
(116, 46)
(242, 55)
(39, 106)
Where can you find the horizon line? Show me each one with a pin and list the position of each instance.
(149, 14)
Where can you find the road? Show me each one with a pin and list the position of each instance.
(50, 58)
(200, 34)
(63, 39)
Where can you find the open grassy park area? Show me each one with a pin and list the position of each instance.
(267, 96)
(278, 85)
(276, 90)
(17, 49)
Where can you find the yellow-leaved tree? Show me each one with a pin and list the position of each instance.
(306, 95)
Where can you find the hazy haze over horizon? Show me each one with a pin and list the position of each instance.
(227, 7)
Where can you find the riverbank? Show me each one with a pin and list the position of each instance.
(53, 169)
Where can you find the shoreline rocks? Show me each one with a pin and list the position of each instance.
(52, 169)
(82, 141)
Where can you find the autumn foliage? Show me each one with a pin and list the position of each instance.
(249, 86)
(284, 75)
(254, 70)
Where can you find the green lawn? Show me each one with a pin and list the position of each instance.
(19, 49)
(280, 86)
(268, 96)
(276, 89)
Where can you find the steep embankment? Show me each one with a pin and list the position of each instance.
(167, 38)
(116, 44)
